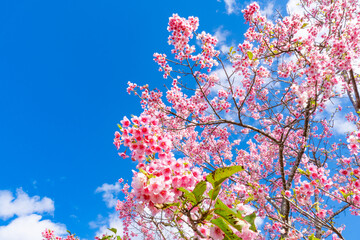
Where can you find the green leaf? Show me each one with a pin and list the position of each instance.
(316, 206)
(119, 126)
(68, 232)
(143, 172)
(199, 190)
(188, 195)
(213, 193)
(312, 237)
(231, 216)
(114, 230)
(165, 205)
(304, 25)
(208, 217)
(346, 195)
(302, 171)
(106, 237)
(118, 237)
(251, 219)
(225, 228)
(221, 174)
(250, 55)
(222, 207)
(230, 50)
(249, 199)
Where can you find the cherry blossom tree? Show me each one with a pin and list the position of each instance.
(249, 130)
(251, 133)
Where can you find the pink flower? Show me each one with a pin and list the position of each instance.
(247, 234)
(216, 233)
(156, 185)
(167, 171)
(144, 119)
(321, 213)
(164, 144)
(117, 134)
(48, 234)
(139, 181)
(344, 172)
(125, 122)
(177, 166)
(204, 231)
(144, 130)
(123, 155)
(135, 120)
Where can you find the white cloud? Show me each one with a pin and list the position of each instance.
(112, 221)
(341, 125)
(109, 193)
(30, 228)
(23, 204)
(223, 80)
(221, 36)
(103, 224)
(268, 10)
(355, 62)
(230, 6)
(293, 6)
(27, 225)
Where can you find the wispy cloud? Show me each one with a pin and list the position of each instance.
(223, 80)
(340, 125)
(355, 62)
(26, 225)
(30, 228)
(104, 223)
(221, 36)
(23, 204)
(230, 6)
(293, 6)
(112, 220)
(110, 192)
(268, 10)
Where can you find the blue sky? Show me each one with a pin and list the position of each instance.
(64, 66)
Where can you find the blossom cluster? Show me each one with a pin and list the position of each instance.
(250, 11)
(271, 95)
(142, 137)
(158, 182)
(206, 58)
(182, 31)
(164, 66)
(354, 142)
(48, 234)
